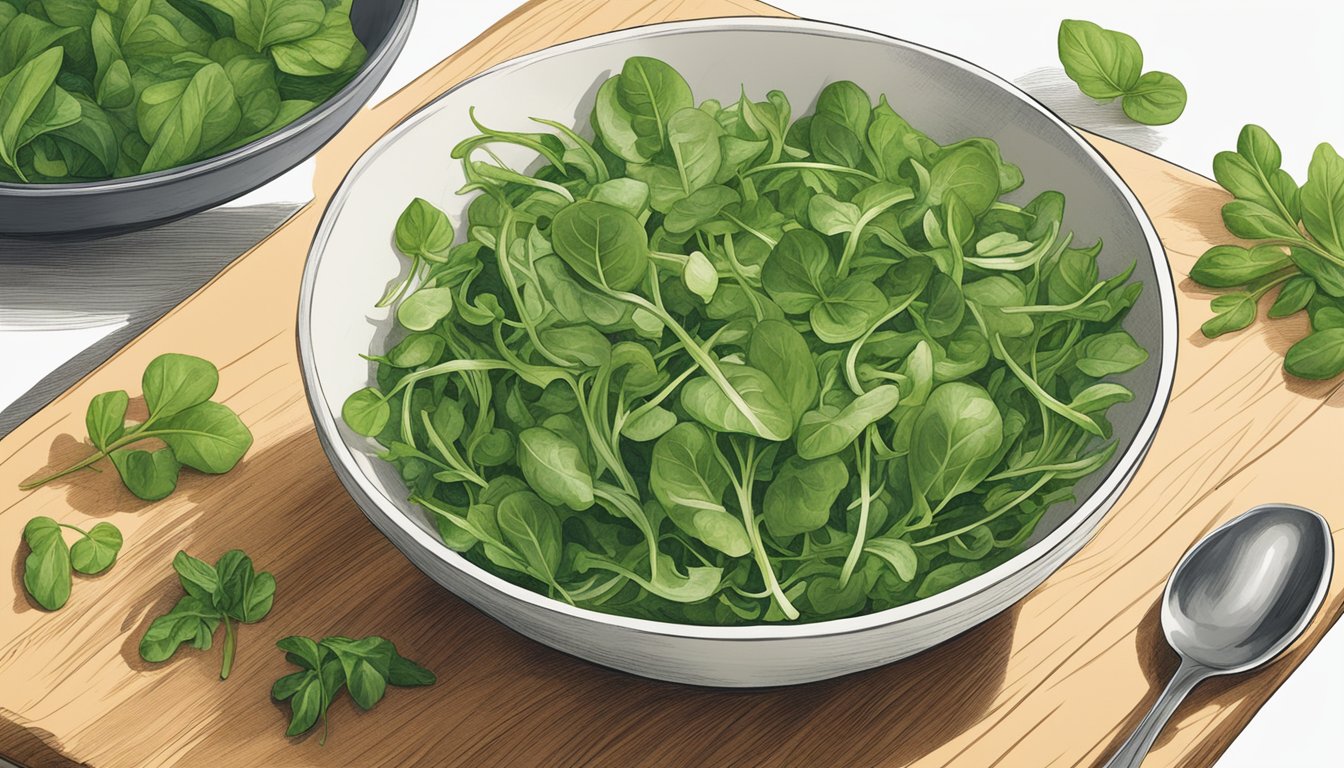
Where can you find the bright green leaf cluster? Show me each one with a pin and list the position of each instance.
(228, 593)
(1107, 64)
(364, 667)
(720, 365)
(101, 89)
(1299, 249)
(196, 432)
(47, 569)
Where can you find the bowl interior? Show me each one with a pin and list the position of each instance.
(353, 260)
(372, 22)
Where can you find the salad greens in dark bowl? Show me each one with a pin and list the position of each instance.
(120, 114)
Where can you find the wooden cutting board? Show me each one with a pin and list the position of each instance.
(1057, 680)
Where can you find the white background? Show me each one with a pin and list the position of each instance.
(1277, 64)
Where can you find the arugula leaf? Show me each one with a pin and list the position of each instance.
(364, 667)
(47, 569)
(229, 592)
(1107, 64)
(1104, 63)
(1302, 248)
(264, 23)
(199, 434)
(31, 104)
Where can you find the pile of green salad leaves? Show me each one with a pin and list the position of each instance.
(718, 365)
(101, 89)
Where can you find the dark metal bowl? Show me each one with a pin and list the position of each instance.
(94, 209)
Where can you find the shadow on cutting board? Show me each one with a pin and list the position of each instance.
(122, 283)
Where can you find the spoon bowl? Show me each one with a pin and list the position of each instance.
(1238, 598)
(1247, 590)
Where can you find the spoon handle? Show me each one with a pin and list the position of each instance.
(1132, 752)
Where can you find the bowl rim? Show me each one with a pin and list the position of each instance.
(390, 46)
(342, 455)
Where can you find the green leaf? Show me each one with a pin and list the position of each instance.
(195, 120)
(689, 482)
(301, 651)
(46, 570)
(423, 230)
(532, 528)
(693, 138)
(848, 309)
(404, 673)
(1323, 199)
(366, 412)
(947, 576)
(149, 475)
(710, 404)
(615, 125)
(832, 217)
(700, 276)
(1233, 312)
(1098, 397)
(31, 104)
(828, 430)
(1157, 99)
(649, 425)
(779, 351)
(1229, 266)
(798, 272)
(253, 80)
(651, 92)
(332, 49)
(800, 497)
(106, 418)
(172, 383)
(896, 553)
(208, 437)
(1256, 222)
(423, 310)
(970, 174)
(96, 551)
(191, 620)
(1293, 296)
(1110, 353)
(846, 103)
(199, 578)
(1104, 63)
(955, 442)
(264, 23)
(1318, 356)
(555, 468)
(26, 37)
(699, 208)
(606, 246)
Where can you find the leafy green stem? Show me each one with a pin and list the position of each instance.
(743, 489)
(230, 646)
(851, 359)
(1021, 497)
(864, 458)
(811, 166)
(693, 349)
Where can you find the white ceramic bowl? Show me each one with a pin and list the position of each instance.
(352, 261)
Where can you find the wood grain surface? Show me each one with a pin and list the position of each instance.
(1057, 680)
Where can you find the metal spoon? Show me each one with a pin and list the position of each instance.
(1235, 601)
